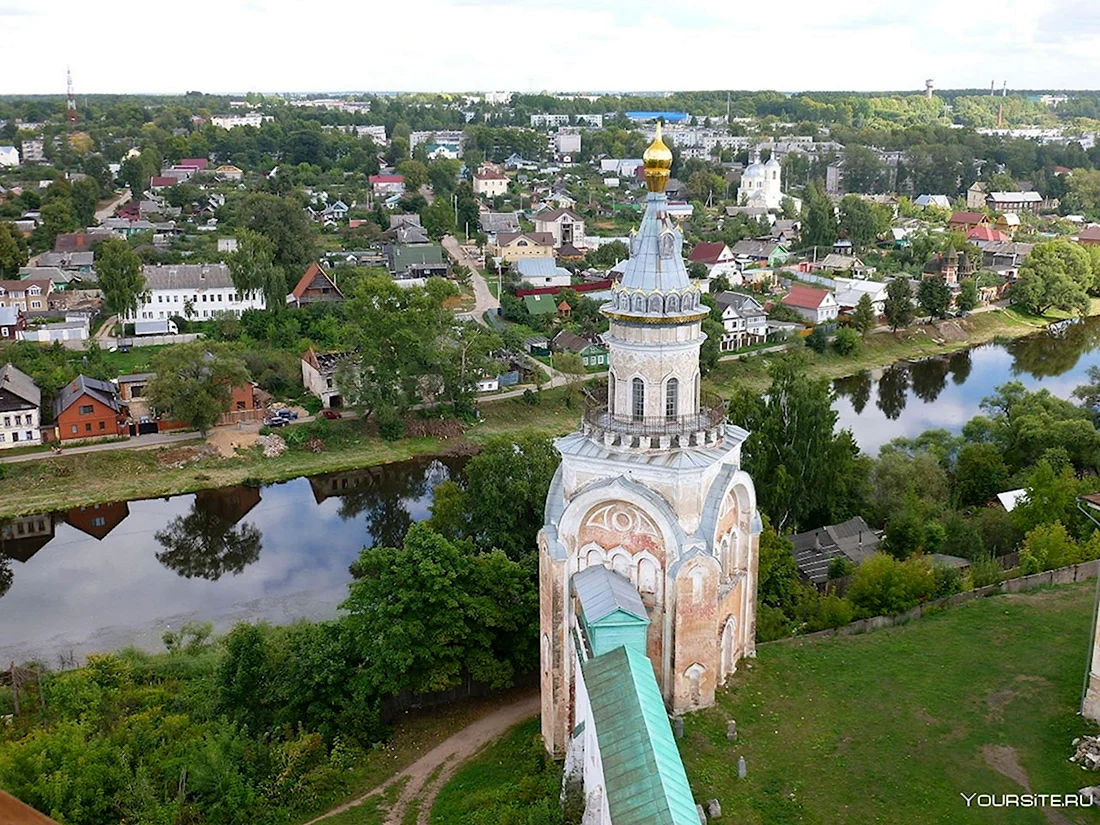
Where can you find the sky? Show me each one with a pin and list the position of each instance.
(222, 46)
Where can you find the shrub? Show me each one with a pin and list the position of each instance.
(884, 586)
(846, 341)
(985, 571)
(818, 340)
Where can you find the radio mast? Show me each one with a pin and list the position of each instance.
(70, 103)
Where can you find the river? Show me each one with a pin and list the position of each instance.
(99, 578)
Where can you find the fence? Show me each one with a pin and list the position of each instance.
(1061, 575)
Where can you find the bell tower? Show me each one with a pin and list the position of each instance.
(651, 487)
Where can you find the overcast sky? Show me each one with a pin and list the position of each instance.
(533, 45)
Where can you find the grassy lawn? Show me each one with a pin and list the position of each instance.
(61, 482)
(510, 781)
(892, 726)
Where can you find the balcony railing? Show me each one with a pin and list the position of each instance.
(712, 414)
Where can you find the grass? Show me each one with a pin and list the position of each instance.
(372, 811)
(511, 780)
(890, 727)
(71, 480)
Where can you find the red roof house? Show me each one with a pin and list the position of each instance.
(314, 286)
(711, 253)
(1089, 236)
(160, 182)
(198, 163)
(986, 234)
(815, 305)
(964, 221)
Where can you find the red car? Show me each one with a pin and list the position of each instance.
(331, 414)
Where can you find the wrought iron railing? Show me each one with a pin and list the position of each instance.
(712, 412)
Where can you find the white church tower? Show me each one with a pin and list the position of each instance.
(762, 184)
(651, 487)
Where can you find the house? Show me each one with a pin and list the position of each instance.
(818, 306)
(840, 262)
(387, 184)
(198, 164)
(12, 322)
(568, 252)
(756, 251)
(34, 151)
(814, 551)
(410, 233)
(493, 223)
(949, 266)
(229, 172)
(563, 224)
(717, 258)
(227, 245)
(540, 304)
(985, 234)
(315, 286)
(77, 262)
(744, 320)
(402, 220)
(511, 246)
(939, 201)
(75, 328)
(416, 263)
(319, 376)
(28, 295)
(1089, 236)
(1014, 202)
(591, 353)
(965, 221)
(542, 272)
(20, 399)
(850, 290)
(337, 211)
(490, 183)
(158, 182)
(9, 156)
(97, 520)
(89, 408)
(1004, 255)
(1008, 223)
(79, 241)
(200, 291)
(975, 195)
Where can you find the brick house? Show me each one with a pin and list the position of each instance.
(97, 520)
(88, 408)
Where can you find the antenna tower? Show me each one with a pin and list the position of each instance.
(70, 103)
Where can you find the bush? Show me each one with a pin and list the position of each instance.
(818, 340)
(847, 341)
(985, 571)
(884, 586)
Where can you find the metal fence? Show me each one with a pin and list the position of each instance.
(712, 412)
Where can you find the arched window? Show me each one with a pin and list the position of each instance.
(611, 393)
(672, 397)
(638, 398)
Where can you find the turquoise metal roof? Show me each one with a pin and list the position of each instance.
(612, 612)
(643, 774)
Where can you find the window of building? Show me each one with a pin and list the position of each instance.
(638, 395)
(15, 436)
(36, 304)
(30, 436)
(86, 409)
(74, 429)
(18, 420)
(2, 437)
(672, 397)
(102, 425)
(99, 521)
(88, 427)
(7, 420)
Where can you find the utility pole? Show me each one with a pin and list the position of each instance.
(70, 101)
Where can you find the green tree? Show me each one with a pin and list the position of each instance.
(934, 297)
(898, 307)
(194, 382)
(846, 341)
(439, 218)
(1056, 275)
(863, 170)
(415, 174)
(980, 473)
(1051, 496)
(13, 250)
(857, 221)
(818, 340)
(806, 471)
(118, 271)
(967, 298)
(282, 221)
(85, 197)
(863, 317)
(57, 218)
(884, 586)
(710, 351)
(819, 226)
(135, 175)
(253, 270)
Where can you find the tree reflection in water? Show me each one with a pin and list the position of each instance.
(383, 494)
(5, 575)
(929, 378)
(1054, 352)
(892, 389)
(959, 365)
(209, 542)
(856, 388)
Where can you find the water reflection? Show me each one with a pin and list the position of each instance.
(99, 578)
(928, 378)
(207, 543)
(959, 365)
(1055, 352)
(893, 385)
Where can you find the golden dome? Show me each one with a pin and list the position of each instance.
(658, 162)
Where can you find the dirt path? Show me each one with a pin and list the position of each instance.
(427, 775)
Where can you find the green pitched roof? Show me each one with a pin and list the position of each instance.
(540, 304)
(417, 255)
(643, 775)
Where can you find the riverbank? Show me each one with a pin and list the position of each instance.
(62, 482)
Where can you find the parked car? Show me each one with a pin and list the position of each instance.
(275, 421)
(330, 414)
(288, 414)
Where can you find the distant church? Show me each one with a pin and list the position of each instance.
(648, 556)
(762, 185)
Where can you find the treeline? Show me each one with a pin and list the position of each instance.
(264, 725)
(929, 495)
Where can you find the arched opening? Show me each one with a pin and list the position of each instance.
(672, 397)
(729, 635)
(638, 399)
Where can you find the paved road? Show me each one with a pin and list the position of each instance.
(109, 210)
(141, 442)
(484, 300)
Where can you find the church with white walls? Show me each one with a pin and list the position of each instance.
(762, 185)
(651, 491)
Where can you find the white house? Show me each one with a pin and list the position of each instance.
(490, 183)
(194, 291)
(565, 225)
(19, 409)
(717, 258)
(540, 272)
(9, 156)
(387, 184)
(818, 306)
(319, 376)
(850, 290)
(744, 321)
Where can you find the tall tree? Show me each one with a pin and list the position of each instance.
(818, 218)
(934, 297)
(863, 318)
(898, 307)
(13, 250)
(857, 220)
(118, 271)
(1056, 275)
(252, 268)
(967, 298)
(863, 170)
(194, 382)
(282, 221)
(85, 198)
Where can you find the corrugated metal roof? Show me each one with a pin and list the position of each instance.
(15, 381)
(102, 391)
(643, 774)
(602, 592)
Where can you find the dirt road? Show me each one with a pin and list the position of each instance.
(483, 298)
(428, 774)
